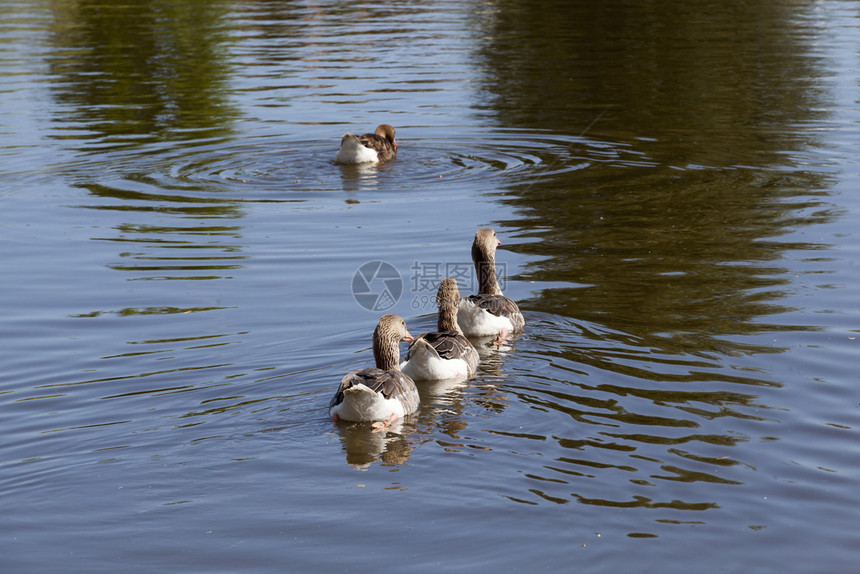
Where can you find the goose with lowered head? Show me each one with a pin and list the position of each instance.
(375, 147)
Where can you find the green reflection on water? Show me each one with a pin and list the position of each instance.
(144, 70)
(682, 249)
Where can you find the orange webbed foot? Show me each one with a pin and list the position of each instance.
(384, 425)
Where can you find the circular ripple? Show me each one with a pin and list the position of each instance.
(279, 169)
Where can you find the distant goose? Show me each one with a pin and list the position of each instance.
(489, 312)
(382, 393)
(445, 353)
(378, 146)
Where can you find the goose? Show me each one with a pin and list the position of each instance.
(445, 353)
(382, 394)
(378, 146)
(489, 312)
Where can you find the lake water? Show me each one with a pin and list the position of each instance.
(676, 191)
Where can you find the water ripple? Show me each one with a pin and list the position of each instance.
(279, 169)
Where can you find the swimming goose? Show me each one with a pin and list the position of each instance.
(378, 146)
(445, 353)
(489, 312)
(382, 393)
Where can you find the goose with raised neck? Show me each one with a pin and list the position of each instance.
(382, 393)
(445, 353)
(489, 312)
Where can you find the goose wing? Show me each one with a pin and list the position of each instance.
(390, 384)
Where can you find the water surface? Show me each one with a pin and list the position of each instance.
(675, 190)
